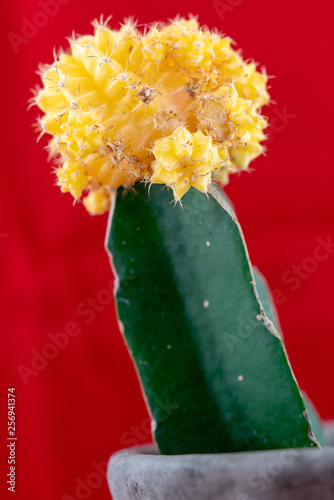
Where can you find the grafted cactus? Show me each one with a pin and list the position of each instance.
(177, 106)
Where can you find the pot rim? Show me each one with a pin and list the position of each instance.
(141, 473)
(290, 474)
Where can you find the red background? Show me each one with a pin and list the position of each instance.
(86, 402)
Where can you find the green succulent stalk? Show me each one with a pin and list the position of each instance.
(199, 324)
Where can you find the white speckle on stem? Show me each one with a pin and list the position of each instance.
(240, 378)
(208, 243)
(206, 304)
(169, 346)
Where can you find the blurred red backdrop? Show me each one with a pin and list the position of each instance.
(74, 410)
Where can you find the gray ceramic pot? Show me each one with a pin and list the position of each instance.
(293, 474)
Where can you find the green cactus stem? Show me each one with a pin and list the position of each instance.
(211, 362)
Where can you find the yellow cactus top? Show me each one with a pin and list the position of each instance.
(176, 105)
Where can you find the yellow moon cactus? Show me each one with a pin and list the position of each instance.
(176, 105)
